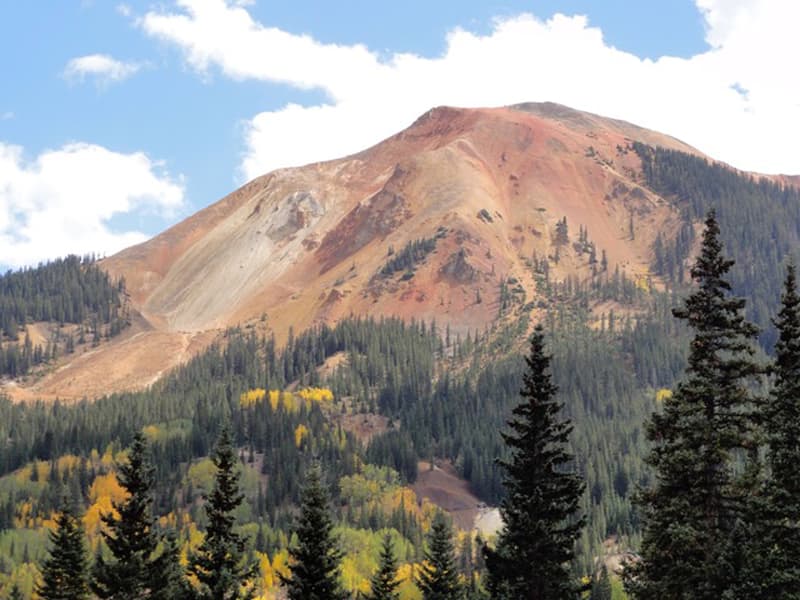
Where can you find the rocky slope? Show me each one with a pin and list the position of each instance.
(483, 188)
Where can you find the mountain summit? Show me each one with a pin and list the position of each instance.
(445, 220)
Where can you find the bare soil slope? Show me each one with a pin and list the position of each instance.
(306, 245)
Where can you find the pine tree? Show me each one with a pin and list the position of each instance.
(699, 510)
(384, 582)
(779, 526)
(135, 571)
(537, 542)
(220, 563)
(65, 572)
(601, 588)
(316, 558)
(16, 593)
(437, 578)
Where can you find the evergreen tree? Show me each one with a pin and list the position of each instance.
(780, 523)
(384, 582)
(601, 588)
(316, 558)
(699, 509)
(65, 572)
(437, 578)
(537, 541)
(174, 585)
(220, 564)
(135, 571)
(16, 593)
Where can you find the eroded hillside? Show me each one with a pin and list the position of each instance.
(430, 223)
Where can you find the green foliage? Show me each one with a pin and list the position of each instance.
(697, 513)
(315, 558)
(16, 593)
(437, 578)
(65, 570)
(759, 219)
(135, 570)
(384, 582)
(220, 564)
(411, 254)
(601, 587)
(69, 290)
(778, 525)
(540, 525)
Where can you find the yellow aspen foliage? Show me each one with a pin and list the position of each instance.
(24, 473)
(68, 462)
(107, 485)
(23, 518)
(151, 432)
(280, 563)
(663, 394)
(287, 400)
(268, 577)
(274, 397)
(300, 433)
(252, 397)
(193, 540)
(315, 394)
(92, 522)
(351, 578)
(50, 522)
(408, 589)
(107, 460)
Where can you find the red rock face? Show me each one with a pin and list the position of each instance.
(306, 245)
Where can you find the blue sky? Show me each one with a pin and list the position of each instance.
(118, 119)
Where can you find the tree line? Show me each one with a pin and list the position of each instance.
(70, 290)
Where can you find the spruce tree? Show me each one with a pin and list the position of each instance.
(384, 582)
(601, 587)
(437, 578)
(16, 593)
(65, 572)
(539, 513)
(135, 570)
(779, 526)
(220, 564)
(698, 511)
(316, 557)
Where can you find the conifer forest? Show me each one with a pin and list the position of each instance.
(647, 451)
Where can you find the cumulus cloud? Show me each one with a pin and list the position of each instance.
(62, 201)
(737, 101)
(101, 67)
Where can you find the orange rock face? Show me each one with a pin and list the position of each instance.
(307, 245)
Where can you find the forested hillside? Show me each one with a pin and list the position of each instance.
(759, 220)
(67, 292)
(437, 396)
(445, 399)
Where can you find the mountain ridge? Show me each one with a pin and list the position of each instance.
(307, 245)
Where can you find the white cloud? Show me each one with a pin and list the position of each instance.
(62, 202)
(103, 68)
(737, 101)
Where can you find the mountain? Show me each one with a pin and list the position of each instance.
(436, 222)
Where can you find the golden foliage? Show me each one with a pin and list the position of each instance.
(107, 485)
(300, 433)
(251, 397)
(280, 563)
(92, 519)
(288, 400)
(663, 394)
